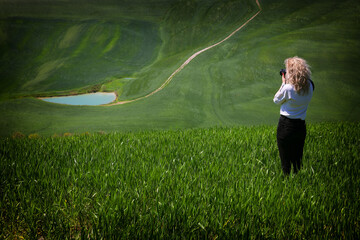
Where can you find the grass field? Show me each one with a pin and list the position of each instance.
(133, 48)
(223, 183)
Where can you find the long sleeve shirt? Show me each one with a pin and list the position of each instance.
(293, 105)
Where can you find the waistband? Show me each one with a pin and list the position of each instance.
(298, 120)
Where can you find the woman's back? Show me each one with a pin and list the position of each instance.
(293, 104)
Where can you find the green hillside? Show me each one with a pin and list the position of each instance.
(132, 47)
(59, 55)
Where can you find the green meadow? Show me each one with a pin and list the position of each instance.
(214, 183)
(132, 47)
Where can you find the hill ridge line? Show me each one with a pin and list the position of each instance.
(188, 61)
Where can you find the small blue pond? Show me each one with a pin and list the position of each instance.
(84, 99)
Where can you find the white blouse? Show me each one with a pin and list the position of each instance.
(293, 105)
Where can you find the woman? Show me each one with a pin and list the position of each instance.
(294, 96)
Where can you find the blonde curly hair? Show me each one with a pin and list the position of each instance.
(297, 74)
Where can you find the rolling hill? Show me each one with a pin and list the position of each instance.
(132, 47)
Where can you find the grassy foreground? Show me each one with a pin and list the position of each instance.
(204, 183)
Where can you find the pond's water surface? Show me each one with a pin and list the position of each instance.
(84, 99)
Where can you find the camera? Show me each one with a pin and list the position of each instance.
(282, 72)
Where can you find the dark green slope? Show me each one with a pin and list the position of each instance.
(56, 55)
(152, 10)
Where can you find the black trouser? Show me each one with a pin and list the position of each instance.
(290, 136)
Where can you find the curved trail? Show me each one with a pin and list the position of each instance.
(188, 61)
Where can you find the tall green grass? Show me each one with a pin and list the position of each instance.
(211, 183)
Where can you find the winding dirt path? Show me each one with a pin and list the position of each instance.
(188, 61)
